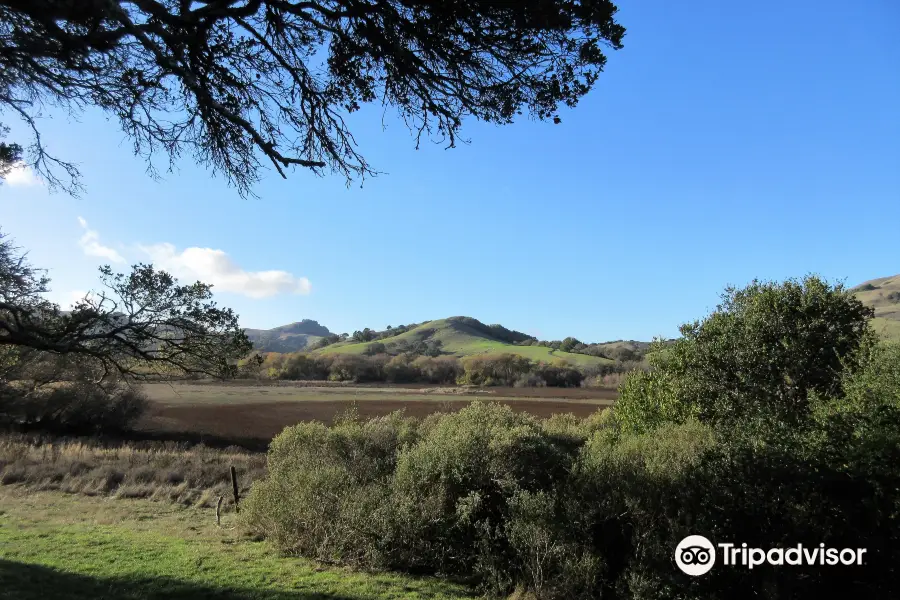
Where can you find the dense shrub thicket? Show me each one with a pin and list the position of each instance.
(77, 407)
(63, 394)
(567, 508)
(774, 423)
(410, 367)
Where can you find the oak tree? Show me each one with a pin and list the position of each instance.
(240, 83)
(143, 325)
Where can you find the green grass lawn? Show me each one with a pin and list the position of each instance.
(457, 339)
(62, 546)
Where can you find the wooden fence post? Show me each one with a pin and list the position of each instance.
(234, 487)
(219, 510)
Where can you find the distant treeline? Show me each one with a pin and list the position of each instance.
(486, 369)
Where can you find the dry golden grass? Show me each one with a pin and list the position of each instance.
(194, 476)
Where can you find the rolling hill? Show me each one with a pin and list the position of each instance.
(464, 336)
(287, 338)
(883, 295)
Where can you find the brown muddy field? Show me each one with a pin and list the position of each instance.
(249, 414)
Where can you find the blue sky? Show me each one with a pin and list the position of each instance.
(726, 141)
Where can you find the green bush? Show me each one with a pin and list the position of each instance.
(303, 366)
(452, 488)
(415, 365)
(375, 348)
(812, 488)
(582, 508)
(754, 361)
(326, 493)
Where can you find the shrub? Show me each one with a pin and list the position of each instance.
(611, 380)
(569, 344)
(571, 508)
(304, 366)
(375, 348)
(74, 407)
(494, 369)
(788, 489)
(451, 490)
(357, 368)
(593, 508)
(756, 359)
(325, 495)
(559, 374)
(441, 369)
(400, 369)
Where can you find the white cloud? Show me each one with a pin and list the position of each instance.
(90, 243)
(215, 267)
(21, 175)
(210, 266)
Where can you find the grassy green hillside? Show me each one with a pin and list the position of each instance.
(883, 295)
(463, 336)
(462, 339)
(287, 338)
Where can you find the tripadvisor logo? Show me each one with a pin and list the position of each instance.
(696, 555)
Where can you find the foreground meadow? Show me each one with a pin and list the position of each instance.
(54, 545)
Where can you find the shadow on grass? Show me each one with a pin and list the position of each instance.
(22, 581)
(190, 438)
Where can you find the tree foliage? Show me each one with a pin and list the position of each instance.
(140, 325)
(240, 82)
(10, 154)
(759, 357)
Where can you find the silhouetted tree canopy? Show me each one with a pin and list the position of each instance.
(141, 325)
(236, 83)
